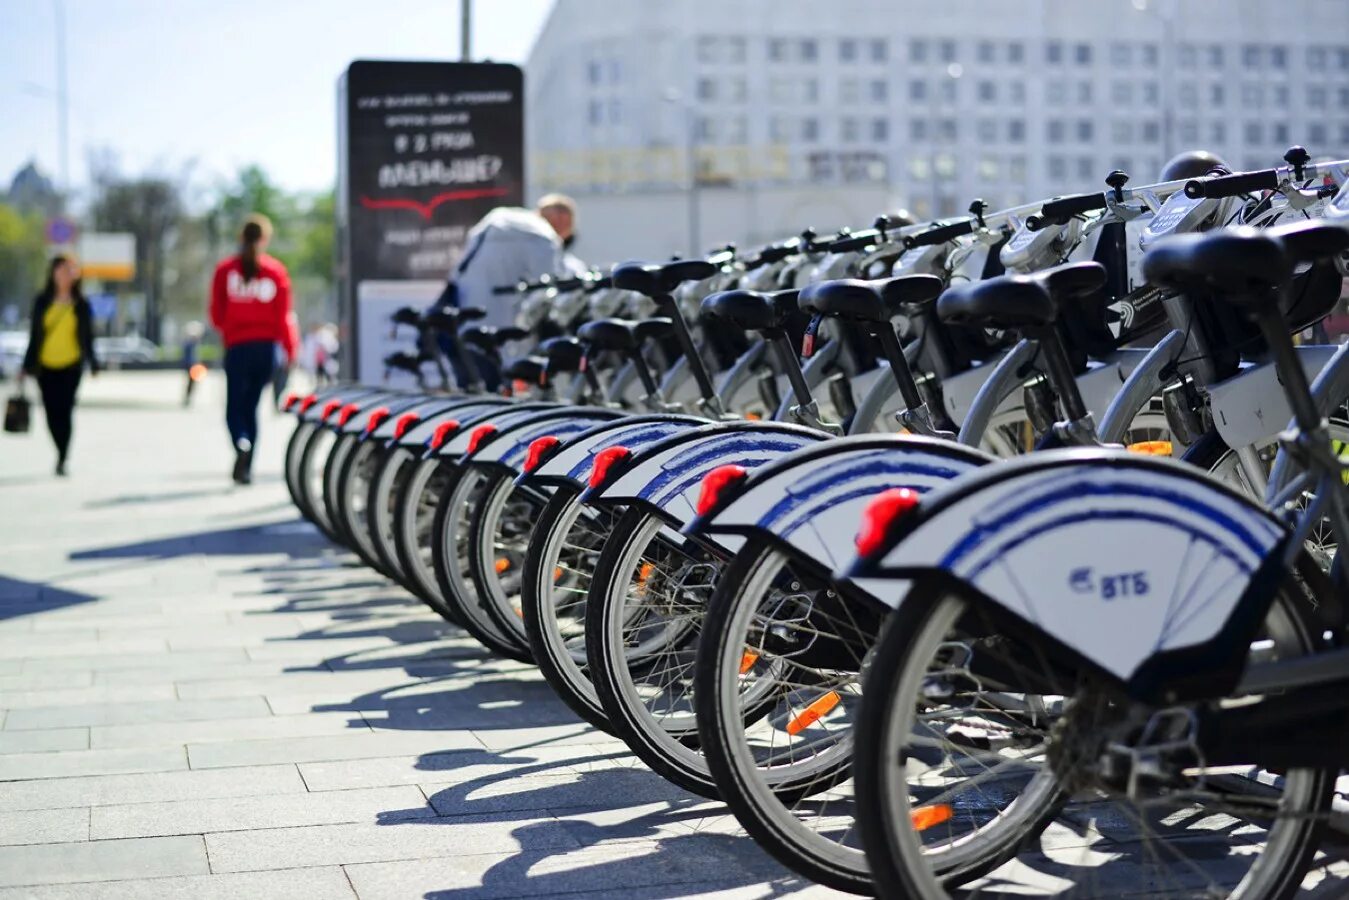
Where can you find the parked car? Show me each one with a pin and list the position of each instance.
(129, 350)
(13, 344)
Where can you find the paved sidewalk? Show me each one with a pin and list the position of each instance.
(200, 698)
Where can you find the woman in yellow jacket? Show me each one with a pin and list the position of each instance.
(60, 345)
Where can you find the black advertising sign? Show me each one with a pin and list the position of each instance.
(426, 150)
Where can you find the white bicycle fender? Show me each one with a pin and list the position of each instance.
(572, 460)
(509, 448)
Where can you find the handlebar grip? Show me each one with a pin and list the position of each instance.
(1072, 205)
(505, 289)
(1232, 185)
(941, 234)
(853, 242)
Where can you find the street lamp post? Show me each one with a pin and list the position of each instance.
(465, 30)
(674, 96)
(62, 98)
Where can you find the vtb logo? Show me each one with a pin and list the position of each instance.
(261, 289)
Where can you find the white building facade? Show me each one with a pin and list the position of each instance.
(797, 113)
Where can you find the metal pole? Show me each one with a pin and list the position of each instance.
(465, 30)
(695, 226)
(62, 101)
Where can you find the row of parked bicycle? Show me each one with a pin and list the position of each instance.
(990, 554)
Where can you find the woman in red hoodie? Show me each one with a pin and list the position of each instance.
(251, 308)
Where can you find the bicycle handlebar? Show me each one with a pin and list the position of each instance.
(941, 234)
(1072, 205)
(1232, 185)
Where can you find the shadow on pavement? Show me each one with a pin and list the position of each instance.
(295, 538)
(168, 497)
(26, 598)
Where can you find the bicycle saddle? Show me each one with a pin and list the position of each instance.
(564, 353)
(406, 361)
(653, 328)
(868, 301)
(1245, 266)
(751, 310)
(1009, 301)
(525, 368)
(481, 336)
(1072, 281)
(609, 334)
(659, 280)
(406, 315)
(599, 284)
(508, 333)
(1311, 240)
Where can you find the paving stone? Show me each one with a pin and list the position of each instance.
(58, 647)
(113, 662)
(45, 740)
(43, 681)
(137, 713)
(368, 745)
(319, 683)
(189, 671)
(102, 860)
(85, 696)
(427, 768)
(181, 733)
(317, 883)
(197, 816)
(418, 839)
(44, 826)
(67, 763)
(102, 790)
(508, 792)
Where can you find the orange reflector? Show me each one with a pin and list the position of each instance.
(753, 416)
(557, 573)
(519, 386)
(405, 421)
(539, 448)
(442, 433)
(747, 661)
(814, 713)
(480, 434)
(604, 461)
(198, 372)
(501, 565)
(926, 817)
(1151, 448)
(716, 483)
(376, 418)
(880, 513)
(345, 414)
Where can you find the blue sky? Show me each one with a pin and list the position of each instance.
(219, 82)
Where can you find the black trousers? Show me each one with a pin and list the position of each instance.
(58, 387)
(248, 369)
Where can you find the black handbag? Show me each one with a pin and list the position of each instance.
(18, 414)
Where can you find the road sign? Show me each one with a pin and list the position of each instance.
(108, 256)
(61, 231)
(426, 150)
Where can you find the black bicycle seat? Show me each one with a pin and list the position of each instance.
(868, 301)
(1244, 266)
(469, 313)
(1072, 281)
(508, 333)
(406, 315)
(564, 353)
(407, 362)
(599, 284)
(751, 310)
(609, 334)
(482, 336)
(1311, 240)
(660, 279)
(1009, 301)
(525, 368)
(653, 328)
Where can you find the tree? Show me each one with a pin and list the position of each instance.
(23, 255)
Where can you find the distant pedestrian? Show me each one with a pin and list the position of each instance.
(283, 362)
(251, 308)
(60, 345)
(192, 364)
(318, 353)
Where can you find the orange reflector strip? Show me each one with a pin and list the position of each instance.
(519, 612)
(753, 416)
(1151, 448)
(502, 565)
(557, 573)
(747, 661)
(926, 817)
(814, 713)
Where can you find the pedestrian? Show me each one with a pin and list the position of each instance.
(192, 365)
(508, 245)
(318, 353)
(281, 366)
(251, 308)
(60, 345)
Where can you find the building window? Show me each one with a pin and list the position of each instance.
(1056, 92)
(1251, 95)
(847, 50)
(1254, 133)
(1055, 131)
(947, 130)
(1250, 56)
(615, 111)
(810, 90)
(1122, 131)
(1189, 55)
(777, 50)
(1016, 52)
(1344, 133)
(1121, 54)
(988, 92)
(615, 71)
(596, 112)
(707, 49)
(594, 72)
(879, 90)
(848, 91)
(917, 90)
(1082, 54)
(810, 50)
(1343, 94)
(1086, 168)
(1278, 57)
(707, 89)
(918, 130)
(1016, 131)
(735, 49)
(1188, 95)
(1016, 169)
(1316, 58)
(1216, 94)
(1150, 95)
(947, 90)
(1316, 97)
(917, 51)
(1086, 129)
(1149, 52)
(988, 168)
(848, 129)
(879, 50)
(1217, 132)
(1188, 132)
(880, 130)
(1278, 132)
(1053, 52)
(705, 129)
(1215, 55)
(736, 89)
(736, 130)
(1056, 167)
(986, 131)
(948, 51)
(1016, 92)
(1084, 92)
(1151, 132)
(810, 129)
(1316, 134)
(777, 129)
(984, 52)
(1342, 59)
(1121, 93)
(918, 168)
